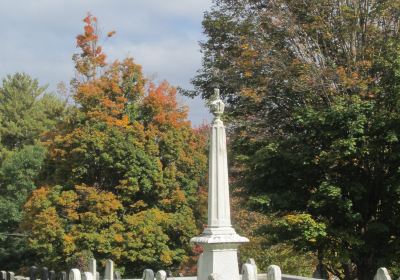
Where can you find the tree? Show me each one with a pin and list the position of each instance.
(18, 175)
(313, 89)
(26, 112)
(122, 172)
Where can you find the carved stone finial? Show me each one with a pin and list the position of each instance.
(217, 106)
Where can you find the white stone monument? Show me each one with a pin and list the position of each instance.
(219, 240)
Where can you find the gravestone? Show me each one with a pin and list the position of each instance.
(93, 267)
(10, 275)
(3, 275)
(62, 275)
(52, 275)
(161, 275)
(109, 273)
(117, 275)
(44, 275)
(274, 273)
(148, 274)
(253, 263)
(382, 274)
(32, 272)
(74, 274)
(248, 272)
(97, 275)
(88, 276)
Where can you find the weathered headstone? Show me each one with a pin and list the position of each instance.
(109, 273)
(253, 263)
(3, 275)
(32, 272)
(93, 266)
(88, 276)
(10, 275)
(148, 274)
(161, 275)
(248, 272)
(62, 275)
(117, 275)
(52, 275)
(382, 274)
(274, 273)
(74, 274)
(44, 275)
(97, 275)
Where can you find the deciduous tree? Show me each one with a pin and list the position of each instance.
(123, 171)
(313, 89)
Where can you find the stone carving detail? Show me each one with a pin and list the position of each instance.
(217, 106)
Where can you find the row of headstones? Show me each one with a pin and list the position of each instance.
(44, 273)
(93, 274)
(274, 273)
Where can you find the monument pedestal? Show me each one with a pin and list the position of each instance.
(219, 254)
(219, 259)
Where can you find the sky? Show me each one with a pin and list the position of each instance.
(38, 38)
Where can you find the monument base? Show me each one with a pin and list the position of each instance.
(220, 259)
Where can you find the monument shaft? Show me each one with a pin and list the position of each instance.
(219, 240)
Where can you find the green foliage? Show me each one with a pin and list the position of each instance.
(313, 88)
(341, 164)
(263, 247)
(26, 111)
(18, 173)
(122, 172)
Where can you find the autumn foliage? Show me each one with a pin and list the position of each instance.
(124, 170)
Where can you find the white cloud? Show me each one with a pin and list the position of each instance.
(38, 37)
